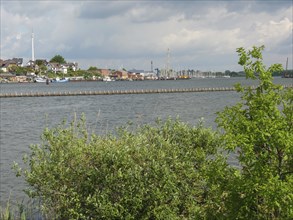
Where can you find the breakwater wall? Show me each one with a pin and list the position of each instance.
(121, 92)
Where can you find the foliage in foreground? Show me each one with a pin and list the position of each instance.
(156, 172)
(173, 170)
(259, 130)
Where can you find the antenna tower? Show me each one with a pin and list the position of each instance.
(33, 48)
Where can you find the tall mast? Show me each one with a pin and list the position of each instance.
(168, 63)
(33, 48)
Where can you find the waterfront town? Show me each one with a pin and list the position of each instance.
(15, 70)
(58, 70)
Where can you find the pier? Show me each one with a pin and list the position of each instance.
(120, 92)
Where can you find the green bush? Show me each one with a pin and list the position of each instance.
(155, 172)
(259, 130)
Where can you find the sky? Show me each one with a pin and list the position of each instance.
(200, 35)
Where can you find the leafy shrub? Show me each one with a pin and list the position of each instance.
(260, 131)
(155, 172)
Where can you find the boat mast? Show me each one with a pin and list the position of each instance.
(168, 63)
(285, 74)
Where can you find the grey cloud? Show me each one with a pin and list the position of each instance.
(141, 11)
(32, 9)
(285, 46)
(193, 9)
(103, 9)
(257, 6)
(270, 6)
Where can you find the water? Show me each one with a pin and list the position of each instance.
(23, 119)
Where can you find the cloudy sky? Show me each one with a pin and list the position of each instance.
(201, 35)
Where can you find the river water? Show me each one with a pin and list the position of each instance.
(23, 119)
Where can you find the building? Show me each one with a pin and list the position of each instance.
(54, 67)
(18, 61)
(7, 65)
(105, 72)
(73, 66)
(63, 68)
(142, 74)
(120, 74)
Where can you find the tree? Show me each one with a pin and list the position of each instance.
(92, 68)
(259, 131)
(39, 62)
(58, 59)
(18, 70)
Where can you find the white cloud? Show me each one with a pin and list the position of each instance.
(273, 32)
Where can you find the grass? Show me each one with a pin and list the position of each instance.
(20, 211)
